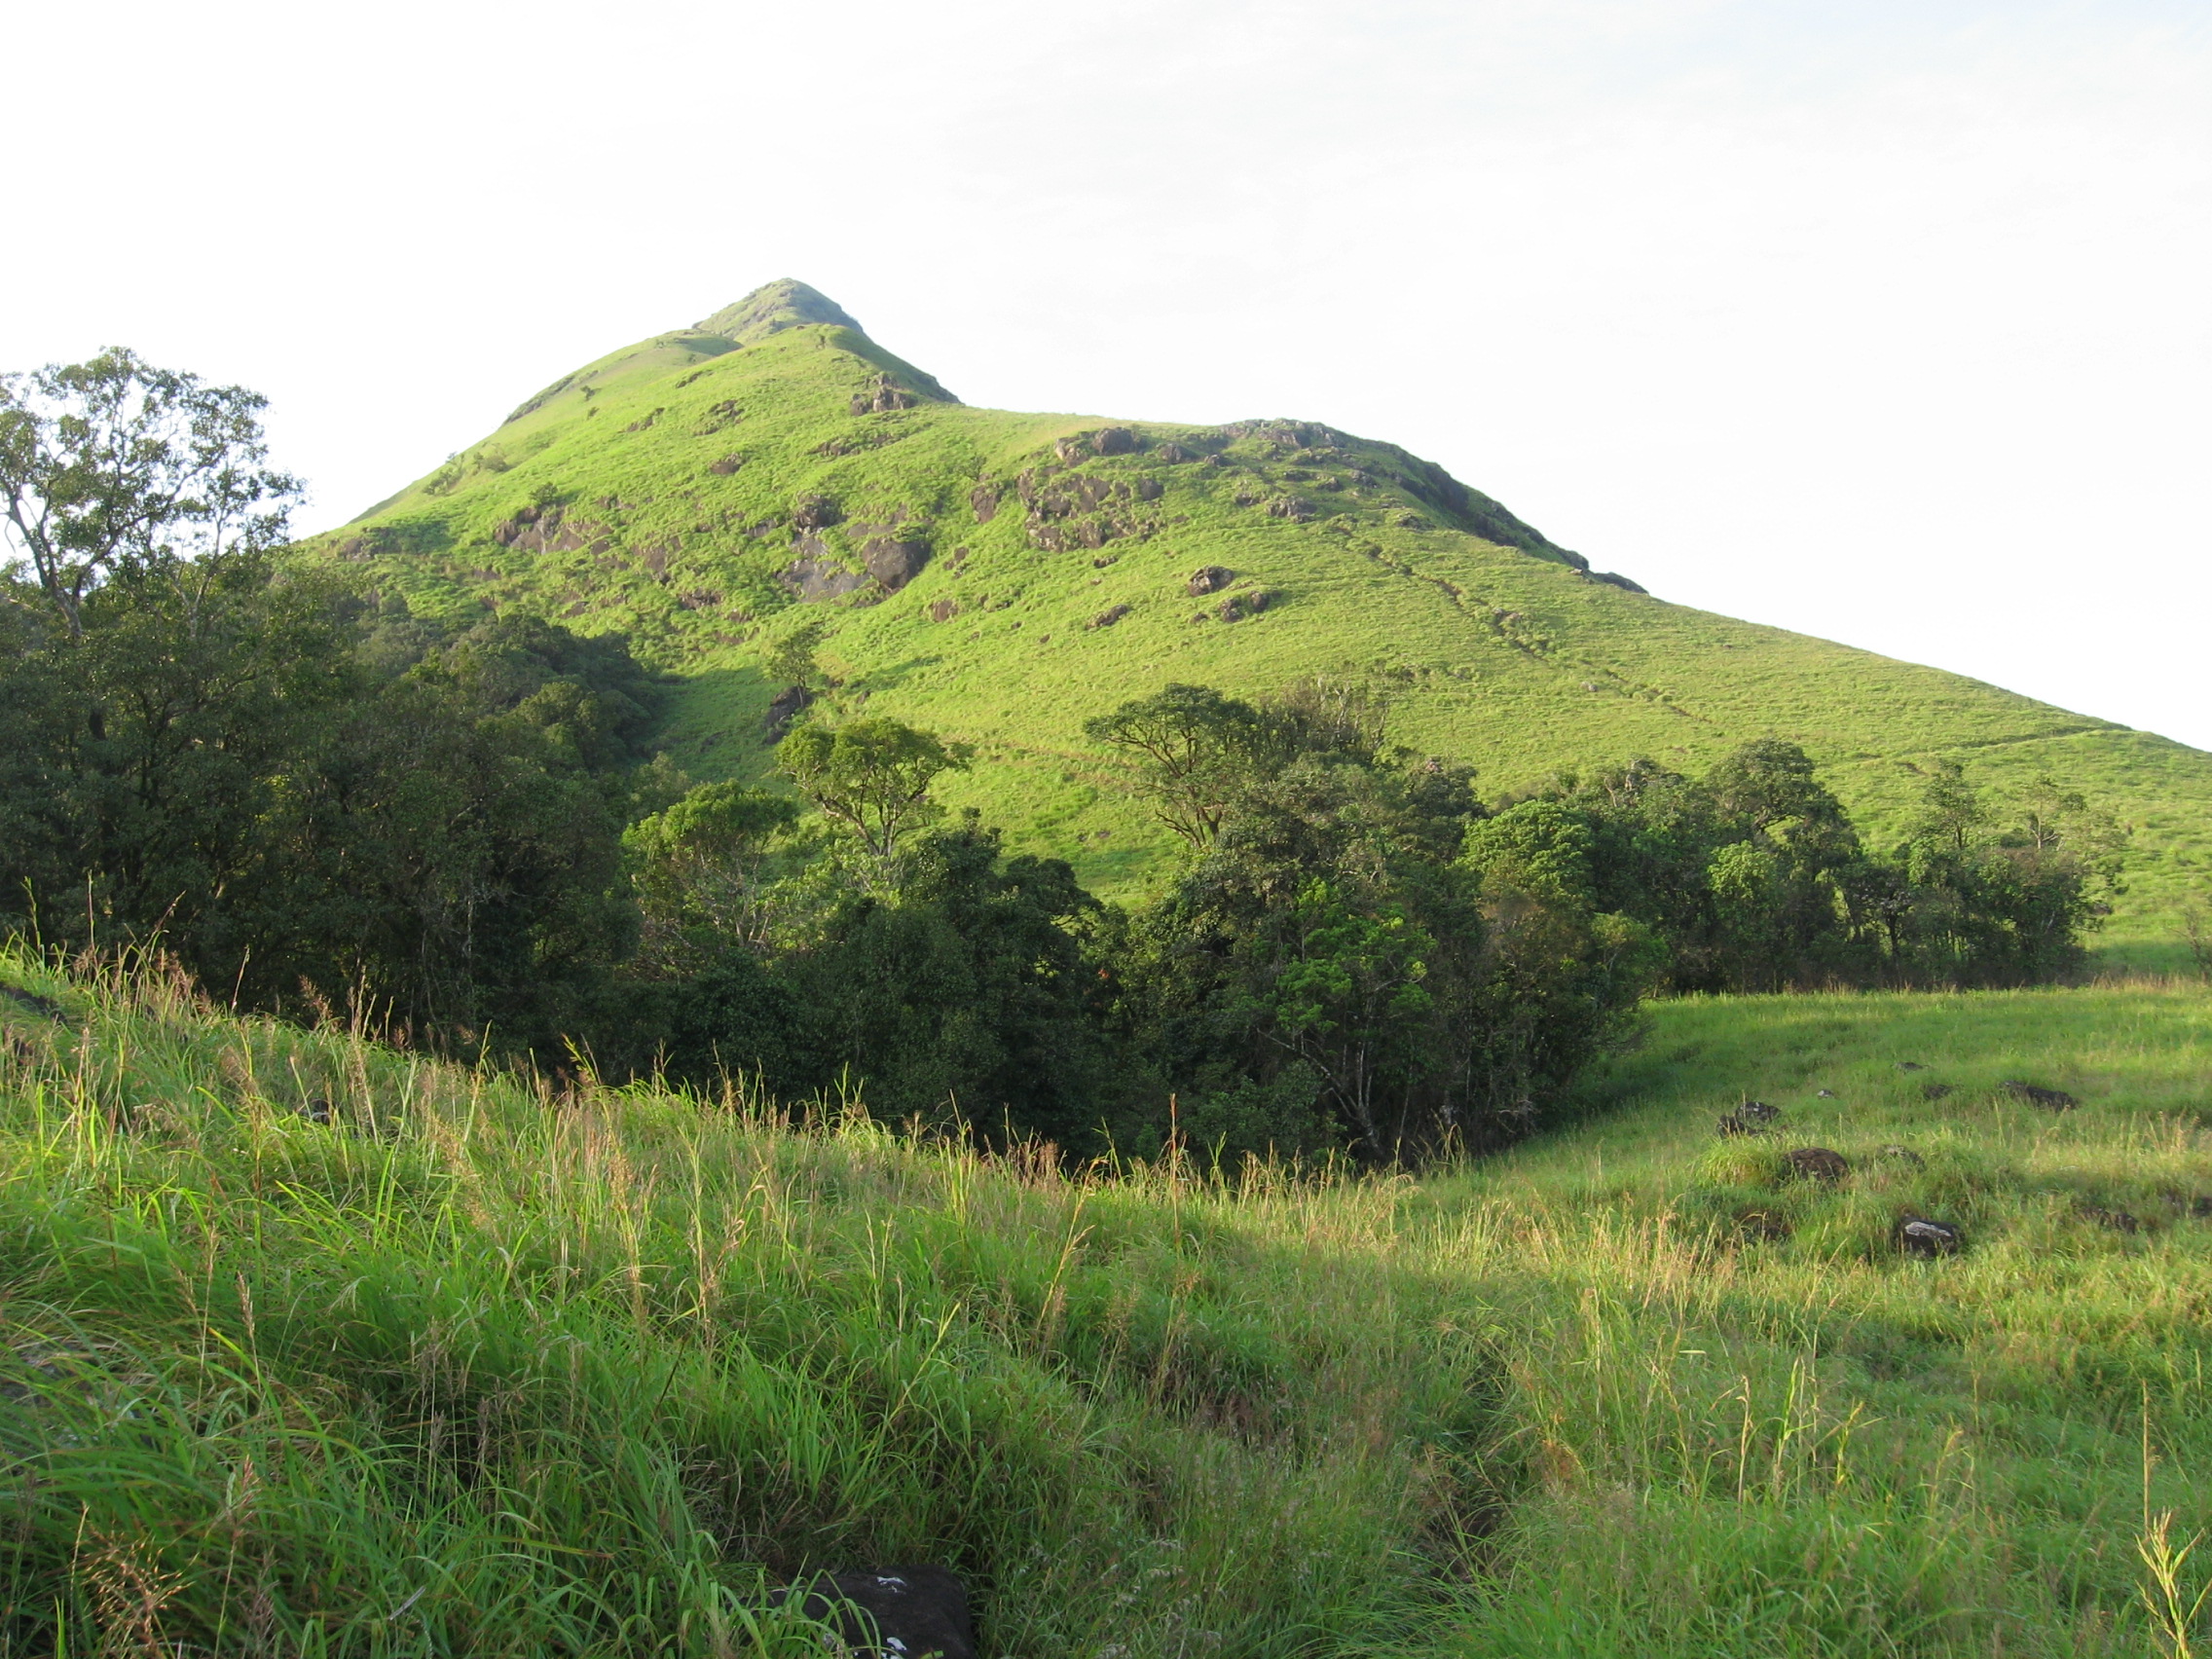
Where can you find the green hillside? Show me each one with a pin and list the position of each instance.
(1001, 576)
(309, 1346)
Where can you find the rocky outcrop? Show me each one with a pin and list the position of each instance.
(787, 706)
(1068, 509)
(894, 562)
(1112, 615)
(885, 395)
(1210, 578)
(550, 530)
(816, 575)
(815, 512)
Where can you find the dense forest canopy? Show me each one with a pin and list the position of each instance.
(315, 798)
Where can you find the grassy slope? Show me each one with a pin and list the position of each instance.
(1509, 658)
(581, 1372)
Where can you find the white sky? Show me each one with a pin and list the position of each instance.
(1886, 321)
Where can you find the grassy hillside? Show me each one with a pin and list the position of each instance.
(312, 1347)
(1002, 577)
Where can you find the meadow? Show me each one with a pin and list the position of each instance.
(317, 1346)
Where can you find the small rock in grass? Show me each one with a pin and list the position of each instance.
(1757, 1112)
(1936, 1090)
(1911, 1065)
(46, 1008)
(1917, 1236)
(1764, 1225)
(892, 1613)
(1905, 1155)
(1817, 1163)
(1823, 1094)
(2049, 1099)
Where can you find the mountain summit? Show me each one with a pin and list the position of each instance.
(1000, 577)
(774, 307)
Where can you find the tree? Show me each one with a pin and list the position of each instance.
(872, 777)
(703, 868)
(113, 464)
(791, 661)
(1196, 749)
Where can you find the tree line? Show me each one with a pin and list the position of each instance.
(312, 796)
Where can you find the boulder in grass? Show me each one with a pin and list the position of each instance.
(1910, 1066)
(2049, 1099)
(1905, 1155)
(1817, 1163)
(1732, 1124)
(1934, 1091)
(892, 1613)
(1757, 1112)
(1917, 1236)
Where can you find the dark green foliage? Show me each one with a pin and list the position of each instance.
(1330, 971)
(1755, 878)
(969, 987)
(211, 763)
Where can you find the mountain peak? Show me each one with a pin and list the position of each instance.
(775, 306)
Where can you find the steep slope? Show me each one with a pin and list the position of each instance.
(1002, 577)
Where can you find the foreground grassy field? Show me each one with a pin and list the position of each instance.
(315, 1347)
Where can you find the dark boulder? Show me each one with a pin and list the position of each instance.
(1936, 1090)
(1905, 1155)
(1757, 1112)
(46, 1008)
(1210, 578)
(1911, 1065)
(1112, 615)
(1114, 440)
(1731, 1125)
(2049, 1099)
(1917, 1236)
(787, 707)
(894, 562)
(1817, 1163)
(892, 1613)
(1763, 1226)
(815, 512)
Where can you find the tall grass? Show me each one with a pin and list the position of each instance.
(480, 1367)
(476, 1368)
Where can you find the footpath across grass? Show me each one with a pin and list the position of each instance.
(308, 1346)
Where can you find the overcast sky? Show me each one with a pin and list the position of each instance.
(1883, 322)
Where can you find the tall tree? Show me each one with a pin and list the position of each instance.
(114, 464)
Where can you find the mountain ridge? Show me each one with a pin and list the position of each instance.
(1001, 576)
